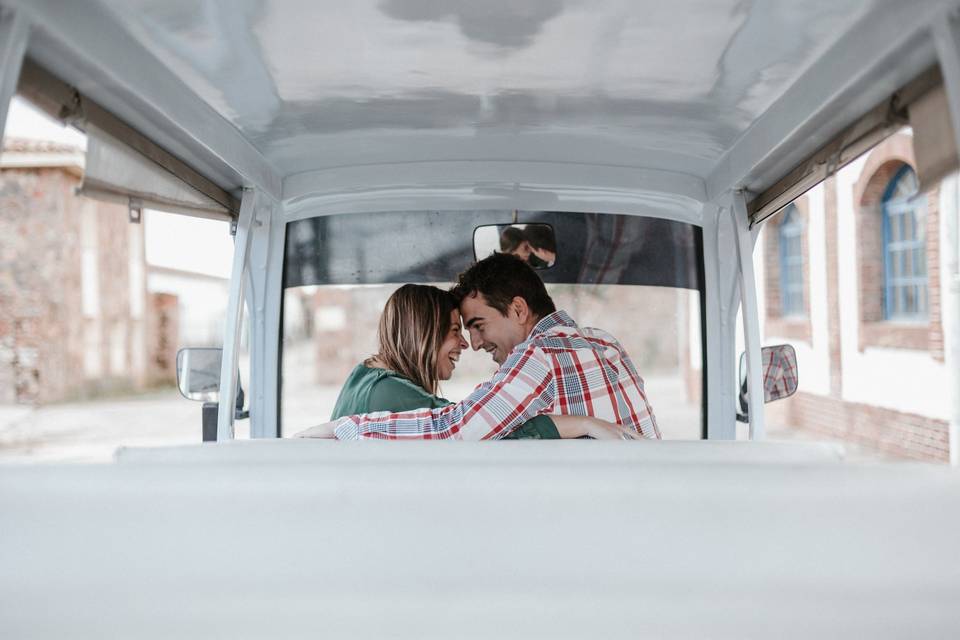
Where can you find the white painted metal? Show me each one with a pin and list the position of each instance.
(471, 540)
(722, 294)
(14, 34)
(495, 184)
(284, 88)
(83, 44)
(751, 321)
(319, 452)
(249, 209)
(947, 37)
(886, 49)
(263, 274)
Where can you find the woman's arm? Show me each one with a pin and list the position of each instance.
(579, 426)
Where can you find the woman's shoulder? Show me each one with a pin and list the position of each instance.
(393, 392)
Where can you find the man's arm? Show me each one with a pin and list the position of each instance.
(523, 387)
(580, 426)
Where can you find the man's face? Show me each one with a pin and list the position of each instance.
(490, 330)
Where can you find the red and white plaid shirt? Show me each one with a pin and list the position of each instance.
(559, 369)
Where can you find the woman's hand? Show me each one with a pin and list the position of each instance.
(579, 426)
(324, 430)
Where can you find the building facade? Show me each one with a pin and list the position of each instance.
(75, 316)
(851, 275)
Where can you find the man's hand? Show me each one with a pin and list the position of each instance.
(324, 430)
(579, 426)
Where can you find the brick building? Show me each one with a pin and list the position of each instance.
(75, 315)
(851, 276)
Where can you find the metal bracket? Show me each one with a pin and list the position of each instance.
(74, 114)
(135, 211)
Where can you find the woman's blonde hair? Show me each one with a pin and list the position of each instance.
(414, 323)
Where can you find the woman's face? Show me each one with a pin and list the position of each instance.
(450, 349)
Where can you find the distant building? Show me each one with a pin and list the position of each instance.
(850, 275)
(76, 317)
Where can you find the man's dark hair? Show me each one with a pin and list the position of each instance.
(501, 278)
(510, 239)
(540, 236)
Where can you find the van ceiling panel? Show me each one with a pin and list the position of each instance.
(684, 86)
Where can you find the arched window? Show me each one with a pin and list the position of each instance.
(904, 249)
(791, 263)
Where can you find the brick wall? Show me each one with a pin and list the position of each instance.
(39, 287)
(162, 338)
(898, 434)
(776, 324)
(891, 432)
(45, 337)
(832, 253)
(882, 165)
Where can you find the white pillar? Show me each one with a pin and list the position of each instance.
(751, 317)
(231, 332)
(721, 299)
(14, 33)
(264, 278)
(946, 34)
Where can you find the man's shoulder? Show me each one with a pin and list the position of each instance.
(565, 339)
(561, 332)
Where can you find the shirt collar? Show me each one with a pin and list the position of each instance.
(555, 319)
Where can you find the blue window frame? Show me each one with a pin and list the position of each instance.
(790, 234)
(904, 249)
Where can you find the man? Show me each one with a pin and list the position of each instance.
(547, 365)
(543, 245)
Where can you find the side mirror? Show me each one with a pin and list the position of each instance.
(780, 376)
(198, 373)
(534, 243)
(198, 376)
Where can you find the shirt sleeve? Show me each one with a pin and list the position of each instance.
(523, 387)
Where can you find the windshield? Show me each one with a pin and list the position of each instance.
(636, 278)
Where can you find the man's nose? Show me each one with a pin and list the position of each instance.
(475, 341)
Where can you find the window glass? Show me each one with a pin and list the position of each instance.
(328, 330)
(904, 249)
(791, 263)
(637, 277)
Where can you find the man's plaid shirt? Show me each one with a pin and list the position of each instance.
(559, 369)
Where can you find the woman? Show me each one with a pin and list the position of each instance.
(420, 344)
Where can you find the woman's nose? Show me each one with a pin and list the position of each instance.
(463, 343)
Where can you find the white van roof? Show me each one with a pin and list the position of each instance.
(721, 93)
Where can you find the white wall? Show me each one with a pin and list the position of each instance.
(813, 356)
(900, 379)
(202, 306)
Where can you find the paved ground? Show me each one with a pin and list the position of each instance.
(91, 431)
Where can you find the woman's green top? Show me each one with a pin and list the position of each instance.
(369, 389)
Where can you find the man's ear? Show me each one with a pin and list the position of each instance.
(520, 310)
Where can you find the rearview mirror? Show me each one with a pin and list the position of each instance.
(534, 243)
(780, 375)
(198, 373)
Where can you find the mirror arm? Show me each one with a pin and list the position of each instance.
(239, 413)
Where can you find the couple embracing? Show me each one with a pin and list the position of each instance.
(555, 379)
